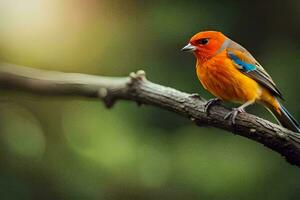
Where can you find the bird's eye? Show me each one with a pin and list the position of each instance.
(202, 41)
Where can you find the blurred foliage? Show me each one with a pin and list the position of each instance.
(63, 148)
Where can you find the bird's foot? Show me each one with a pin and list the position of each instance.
(232, 114)
(210, 103)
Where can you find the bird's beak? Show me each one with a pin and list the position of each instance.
(189, 47)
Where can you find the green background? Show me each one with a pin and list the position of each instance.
(75, 148)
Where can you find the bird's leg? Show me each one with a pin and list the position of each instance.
(235, 111)
(210, 103)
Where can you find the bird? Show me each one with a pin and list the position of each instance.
(231, 74)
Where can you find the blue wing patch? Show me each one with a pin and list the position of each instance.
(244, 66)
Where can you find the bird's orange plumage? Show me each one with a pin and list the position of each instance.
(227, 82)
(220, 76)
(230, 72)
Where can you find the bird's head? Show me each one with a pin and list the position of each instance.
(205, 44)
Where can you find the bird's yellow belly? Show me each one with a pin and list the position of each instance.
(228, 83)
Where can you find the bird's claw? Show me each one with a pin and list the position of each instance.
(210, 103)
(232, 114)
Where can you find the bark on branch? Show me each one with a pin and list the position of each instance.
(137, 88)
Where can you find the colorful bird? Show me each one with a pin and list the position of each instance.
(231, 73)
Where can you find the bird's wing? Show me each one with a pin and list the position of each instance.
(247, 64)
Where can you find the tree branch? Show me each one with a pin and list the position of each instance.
(137, 88)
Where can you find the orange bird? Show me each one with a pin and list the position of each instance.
(231, 73)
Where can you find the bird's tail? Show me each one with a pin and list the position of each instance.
(283, 116)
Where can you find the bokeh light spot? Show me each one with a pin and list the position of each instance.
(21, 132)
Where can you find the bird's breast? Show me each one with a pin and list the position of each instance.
(219, 76)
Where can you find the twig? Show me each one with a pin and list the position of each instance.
(137, 88)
